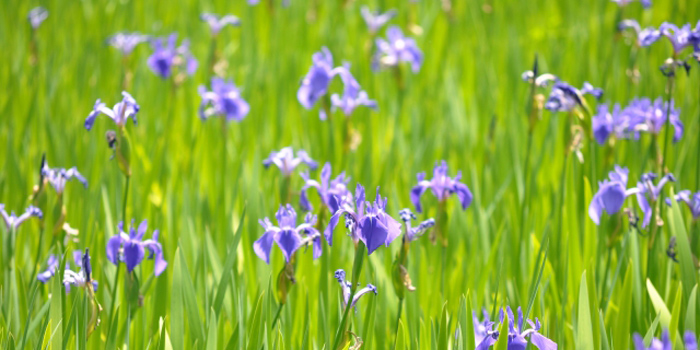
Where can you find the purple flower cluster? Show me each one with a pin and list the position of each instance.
(622, 3)
(167, 55)
(131, 248)
(518, 337)
(287, 235)
(78, 279)
(122, 111)
(679, 37)
(640, 116)
(58, 177)
(126, 42)
(224, 99)
(442, 187)
(332, 192)
(397, 48)
(286, 162)
(689, 341)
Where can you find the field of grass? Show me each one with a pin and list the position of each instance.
(525, 241)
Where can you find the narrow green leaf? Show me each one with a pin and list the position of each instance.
(685, 257)
(225, 278)
(211, 334)
(659, 305)
(676, 315)
(621, 328)
(177, 314)
(502, 342)
(255, 323)
(584, 326)
(690, 312)
(189, 300)
(468, 323)
(444, 328)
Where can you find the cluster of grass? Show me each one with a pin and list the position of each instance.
(525, 241)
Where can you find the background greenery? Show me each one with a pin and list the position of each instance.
(205, 191)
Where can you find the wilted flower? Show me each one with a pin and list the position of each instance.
(332, 192)
(36, 16)
(648, 193)
(518, 337)
(367, 222)
(442, 187)
(564, 97)
(58, 177)
(541, 81)
(346, 286)
(126, 42)
(611, 194)
(122, 111)
(396, 49)
(413, 233)
(216, 22)
(375, 20)
(645, 37)
(131, 248)
(352, 96)
(692, 200)
(286, 162)
(288, 236)
(166, 56)
(12, 221)
(224, 99)
(315, 83)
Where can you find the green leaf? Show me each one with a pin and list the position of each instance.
(676, 315)
(502, 342)
(225, 278)
(443, 339)
(690, 312)
(211, 335)
(593, 307)
(584, 326)
(467, 323)
(255, 323)
(189, 300)
(621, 328)
(177, 314)
(659, 305)
(685, 257)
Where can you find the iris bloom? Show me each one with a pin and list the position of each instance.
(288, 236)
(70, 277)
(120, 114)
(644, 37)
(131, 248)
(622, 3)
(564, 97)
(167, 55)
(680, 38)
(346, 285)
(315, 83)
(352, 96)
(692, 200)
(641, 115)
(541, 81)
(51, 266)
(367, 222)
(442, 187)
(224, 99)
(413, 233)
(36, 16)
(126, 42)
(517, 336)
(648, 193)
(396, 49)
(58, 177)
(13, 222)
(656, 344)
(376, 20)
(611, 194)
(216, 22)
(286, 162)
(332, 192)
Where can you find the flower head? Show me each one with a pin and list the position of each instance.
(126, 42)
(367, 222)
(622, 3)
(216, 22)
(167, 55)
(13, 222)
(83, 277)
(690, 199)
(518, 337)
(644, 37)
(120, 114)
(51, 266)
(680, 38)
(656, 344)
(643, 115)
(611, 194)
(413, 233)
(58, 177)
(36, 16)
(315, 83)
(442, 187)
(286, 162)
(396, 49)
(346, 286)
(564, 97)
(224, 99)
(131, 248)
(352, 96)
(288, 236)
(332, 192)
(375, 20)
(648, 193)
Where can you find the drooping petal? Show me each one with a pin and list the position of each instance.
(373, 233)
(113, 245)
(133, 254)
(464, 195)
(263, 246)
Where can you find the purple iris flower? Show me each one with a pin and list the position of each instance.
(216, 22)
(518, 337)
(224, 99)
(286, 162)
(588, 88)
(645, 37)
(442, 186)
(656, 344)
(647, 116)
(58, 177)
(288, 236)
(315, 83)
(36, 16)
(680, 38)
(376, 20)
(367, 222)
(126, 42)
(346, 285)
(51, 266)
(396, 49)
(603, 123)
(352, 96)
(622, 3)
(541, 81)
(81, 278)
(648, 193)
(413, 233)
(611, 194)
(690, 199)
(691, 343)
(332, 192)
(120, 114)
(167, 55)
(564, 97)
(131, 248)
(12, 221)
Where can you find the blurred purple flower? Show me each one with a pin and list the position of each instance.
(367, 222)
(345, 285)
(656, 344)
(224, 99)
(442, 187)
(166, 56)
(645, 3)
(396, 49)
(315, 83)
(58, 177)
(287, 235)
(126, 42)
(13, 222)
(541, 81)
(645, 116)
(51, 266)
(216, 22)
(122, 111)
(286, 162)
(413, 233)
(692, 200)
(611, 194)
(564, 97)
(332, 192)
(375, 20)
(648, 193)
(352, 96)
(81, 278)
(644, 37)
(131, 248)
(486, 336)
(36, 16)
(680, 38)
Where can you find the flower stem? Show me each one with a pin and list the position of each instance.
(356, 270)
(398, 320)
(669, 97)
(126, 196)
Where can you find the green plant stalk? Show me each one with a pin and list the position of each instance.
(398, 321)
(669, 97)
(356, 270)
(125, 199)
